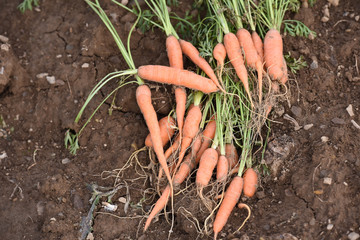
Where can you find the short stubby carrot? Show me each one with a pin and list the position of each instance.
(219, 54)
(174, 52)
(222, 168)
(234, 53)
(273, 54)
(232, 196)
(179, 77)
(207, 165)
(189, 50)
(143, 98)
(207, 136)
(250, 182)
(167, 129)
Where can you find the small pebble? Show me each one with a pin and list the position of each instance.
(90, 236)
(350, 111)
(326, 12)
(58, 56)
(357, 18)
(353, 236)
(5, 47)
(355, 124)
(338, 121)
(345, 183)
(4, 39)
(327, 180)
(352, 15)
(296, 111)
(314, 64)
(122, 200)
(65, 161)
(42, 75)
(324, 139)
(308, 126)
(346, 14)
(335, 3)
(51, 79)
(329, 226)
(324, 19)
(37, 9)
(124, 2)
(85, 65)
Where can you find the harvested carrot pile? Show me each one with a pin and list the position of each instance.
(210, 145)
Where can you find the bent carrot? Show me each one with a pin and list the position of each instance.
(250, 182)
(167, 130)
(207, 165)
(143, 98)
(273, 54)
(179, 77)
(222, 168)
(232, 196)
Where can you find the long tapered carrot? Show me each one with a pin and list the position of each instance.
(207, 136)
(250, 182)
(179, 77)
(143, 98)
(251, 56)
(189, 50)
(259, 45)
(234, 54)
(207, 165)
(167, 130)
(232, 196)
(180, 98)
(273, 54)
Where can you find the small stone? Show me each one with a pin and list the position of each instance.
(4, 39)
(324, 19)
(326, 12)
(327, 181)
(50, 79)
(338, 121)
(329, 226)
(59, 56)
(124, 2)
(122, 200)
(350, 111)
(3, 155)
(59, 82)
(352, 15)
(85, 65)
(296, 110)
(312, 222)
(37, 9)
(90, 236)
(353, 236)
(335, 3)
(314, 64)
(357, 18)
(40, 208)
(42, 75)
(346, 14)
(355, 124)
(65, 161)
(324, 139)
(308, 126)
(5, 47)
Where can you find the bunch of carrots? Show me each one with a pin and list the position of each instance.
(219, 109)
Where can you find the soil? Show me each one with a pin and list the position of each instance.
(45, 190)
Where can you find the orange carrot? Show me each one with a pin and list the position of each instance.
(159, 205)
(179, 77)
(184, 170)
(258, 45)
(273, 54)
(231, 154)
(189, 50)
(207, 136)
(207, 164)
(233, 51)
(174, 146)
(251, 56)
(167, 130)
(180, 97)
(231, 197)
(219, 53)
(250, 182)
(143, 98)
(222, 168)
(191, 128)
(174, 52)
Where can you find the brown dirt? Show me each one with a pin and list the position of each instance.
(42, 198)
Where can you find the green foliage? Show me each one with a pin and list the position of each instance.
(297, 28)
(71, 141)
(144, 23)
(295, 64)
(294, 5)
(27, 5)
(311, 2)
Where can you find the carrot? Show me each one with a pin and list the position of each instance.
(167, 130)
(191, 128)
(273, 54)
(180, 97)
(207, 136)
(174, 52)
(250, 182)
(231, 154)
(189, 50)
(251, 56)
(143, 98)
(219, 53)
(159, 205)
(233, 51)
(207, 164)
(174, 146)
(184, 170)
(179, 77)
(259, 46)
(222, 168)
(232, 196)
